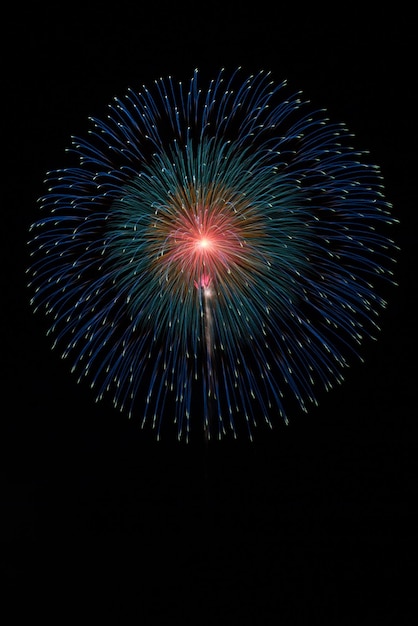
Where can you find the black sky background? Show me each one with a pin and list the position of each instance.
(315, 521)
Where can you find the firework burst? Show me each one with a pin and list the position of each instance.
(218, 246)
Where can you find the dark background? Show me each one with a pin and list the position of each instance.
(313, 522)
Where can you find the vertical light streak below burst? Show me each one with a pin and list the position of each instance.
(209, 373)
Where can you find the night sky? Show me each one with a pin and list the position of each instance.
(312, 522)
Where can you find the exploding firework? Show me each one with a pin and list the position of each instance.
(210, 254)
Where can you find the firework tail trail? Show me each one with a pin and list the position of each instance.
(210, 391)
(206, 293)
(209, 397)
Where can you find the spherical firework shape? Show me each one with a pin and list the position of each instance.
(223, 243)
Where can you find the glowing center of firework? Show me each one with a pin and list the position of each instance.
(200, 245)
(204, 246)
(204, 243)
